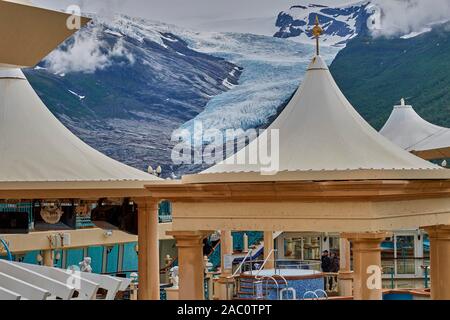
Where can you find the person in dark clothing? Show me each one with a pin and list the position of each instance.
(326, 262)
(334, 268)
(334, 263)
(326, 267)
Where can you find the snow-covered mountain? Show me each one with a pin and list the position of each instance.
(340, 24)
(123, 85)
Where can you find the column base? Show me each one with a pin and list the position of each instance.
(173, 294)
(345, 279)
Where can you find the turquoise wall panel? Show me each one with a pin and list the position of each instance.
(130, 257)
(31, 257)
(74, 257)
(113, 257)
(96, 255)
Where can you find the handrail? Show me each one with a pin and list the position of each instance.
(241, 264)
(284, 279)
(238, 269)
(274, 280)
(310, 292)
(264, 263)
(321, 291)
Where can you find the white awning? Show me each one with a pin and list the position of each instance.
(36, 147)
(21, 281)
(321, 136)
(413, 133)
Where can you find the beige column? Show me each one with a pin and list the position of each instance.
(190, 262)
(224, 287)
(226, 248)
(367, 277)
(345, 276)
(439, 262)
(48, 258)
(148, 249)
(268, 247)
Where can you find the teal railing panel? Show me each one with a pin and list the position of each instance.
(113, 258)
(130, 257)
(74, 257)
(96, 255)
(31, 257)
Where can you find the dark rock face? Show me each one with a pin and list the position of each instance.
(339, 24)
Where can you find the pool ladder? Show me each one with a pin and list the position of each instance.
(314, 294)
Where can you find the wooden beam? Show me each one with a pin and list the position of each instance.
(30, 33)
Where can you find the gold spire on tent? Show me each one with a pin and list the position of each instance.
(317, 31)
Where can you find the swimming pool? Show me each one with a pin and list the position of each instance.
(277, 284)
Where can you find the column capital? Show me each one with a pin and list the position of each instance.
(189, 238)
(441, 232)
(146, 201)
(366, 236)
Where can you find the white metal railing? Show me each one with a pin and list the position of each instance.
(265, 261)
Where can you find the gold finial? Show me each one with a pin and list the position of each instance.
(317, 31)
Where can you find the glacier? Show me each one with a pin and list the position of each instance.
(173, 77)
(272, 69)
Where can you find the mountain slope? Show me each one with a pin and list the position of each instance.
(376, 73)
(340, 24)
(124, 85)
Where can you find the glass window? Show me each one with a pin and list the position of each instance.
(388, 256)
(426, 250)
(405, 255)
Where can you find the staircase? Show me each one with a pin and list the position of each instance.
(247, 288)
(254, 238)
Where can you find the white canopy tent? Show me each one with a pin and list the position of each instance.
(321, 137)
(36, 151)
(36, 147)
(414, 134)
(21, 281)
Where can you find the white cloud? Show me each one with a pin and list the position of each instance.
(401, 17)
(86, 54)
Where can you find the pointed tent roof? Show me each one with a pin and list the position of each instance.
(413, 133)
(36, 151)
(36, 147)
(322, 137)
